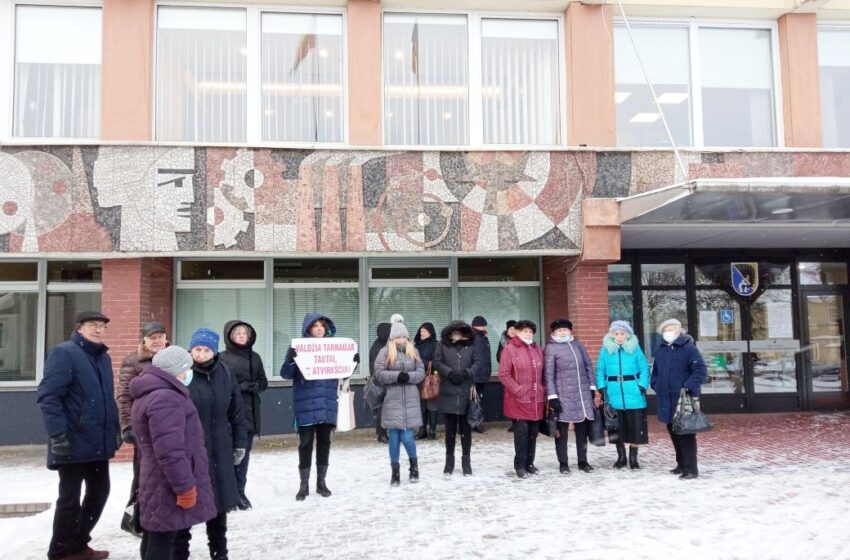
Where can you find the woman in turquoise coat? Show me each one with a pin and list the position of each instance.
(622, 377)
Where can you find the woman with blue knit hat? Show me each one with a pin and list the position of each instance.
(215, 392)
(622, 377)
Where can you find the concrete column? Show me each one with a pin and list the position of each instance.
(127, 70)
(364, 73)
(591, 111)
(798, 53)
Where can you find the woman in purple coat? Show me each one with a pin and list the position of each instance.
(568, 376)
(174, 483)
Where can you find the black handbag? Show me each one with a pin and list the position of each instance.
(374, 393)
(474, 412)
(130, 521)
(549, 424)
(688, 418)
(612, 419)
(596, 430)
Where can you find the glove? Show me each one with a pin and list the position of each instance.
(357, 358)
(128, 436)
(456, 378)
(403, 377)
(238, 455)
(188, 499)
(60, 446)
(291, 354)
(555, 405)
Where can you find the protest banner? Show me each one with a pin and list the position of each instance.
(325, 358)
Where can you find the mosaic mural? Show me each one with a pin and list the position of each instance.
(143, 199)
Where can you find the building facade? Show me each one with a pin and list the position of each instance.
(198, 162)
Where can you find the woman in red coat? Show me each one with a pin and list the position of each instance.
(521, 374)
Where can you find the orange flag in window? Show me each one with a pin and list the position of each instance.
(307, 43)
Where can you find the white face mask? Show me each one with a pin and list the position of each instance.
(529, 340)
(188, 379)
(568, 338)
(670, 336)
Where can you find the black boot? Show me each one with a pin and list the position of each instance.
(633, 462)
(467, 465)
(521, 473)
(584, 466)
(565, 467)
(321, 488)
(423, 433)
(396, 477)
(382, 435)
(450, 464)
(621, 456)
(678, 470)
(304, 490)
(244, 502)
(414, 470)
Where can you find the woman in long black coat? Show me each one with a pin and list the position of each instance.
(383, 335)
(247, 367)
(455, 361)
(426, 344)
(216, 395)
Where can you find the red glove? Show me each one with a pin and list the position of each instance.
(188, 499)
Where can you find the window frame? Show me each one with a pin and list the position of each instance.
(8, 61)
(695, 74)
(475, 122)
(253, 76)
(837, 25)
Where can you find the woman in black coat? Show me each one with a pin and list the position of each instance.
(383, 335)
(454, 359)
(426, 344)
(247, 367)
(216, 395)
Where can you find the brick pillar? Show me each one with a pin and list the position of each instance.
(587, 301)
(135, 291)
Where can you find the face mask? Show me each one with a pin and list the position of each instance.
(528, 341)
(670, 336)
(188, 379)
(568, 338)
(455, 336)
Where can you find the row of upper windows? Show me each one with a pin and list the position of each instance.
(448, 80)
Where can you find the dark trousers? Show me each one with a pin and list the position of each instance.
(158, 545)
(686, 450)
(72, 521)
(137, 467)
(525, 442)
(242, 468)
(216, 539)
(581, 441)
(306, 434)
(379, 431)
(455, 423)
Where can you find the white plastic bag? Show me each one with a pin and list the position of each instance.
(345, 410)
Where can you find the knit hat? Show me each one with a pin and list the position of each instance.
(172, 360)
(398, 330)
(621, 326)
(670, 323)
(205, 337)
(510, 324)
(479, 321)
(561, 324)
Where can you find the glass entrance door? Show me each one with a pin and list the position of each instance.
(825, 344)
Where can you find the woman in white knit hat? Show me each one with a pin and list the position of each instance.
(622, 377)
(399, 368)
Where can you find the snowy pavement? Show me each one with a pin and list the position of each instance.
(771, 486)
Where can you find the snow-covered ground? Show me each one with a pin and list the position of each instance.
(744, 505)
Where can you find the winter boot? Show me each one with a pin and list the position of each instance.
(304, 490)
(414, 470)
(633, 462)
(677, 471)
(564, 467)
(450, 464)
(432, 425)
(396, 477)
(521, 473)
(532, 452)
(321, 488)
(584, 466)
(621, 456)
(467, 465)
(423, 433)
(244, 502)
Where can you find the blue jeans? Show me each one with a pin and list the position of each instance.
(398, 437)
(242, 468)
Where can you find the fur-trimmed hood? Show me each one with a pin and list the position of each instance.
(629, 346)
(463, 328)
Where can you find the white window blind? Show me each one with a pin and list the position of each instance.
(426, 80)
(834, 55)
(57, 72)
(302, 69)
(201, 75)
(520, 81)
(62, 307)
(417, 306)
(18, 320)
(499, 305)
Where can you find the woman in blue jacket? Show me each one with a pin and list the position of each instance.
(622, 375)
(315, 406)
(677, 365)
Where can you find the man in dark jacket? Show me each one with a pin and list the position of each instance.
(247, 366)
(154, 339)
(484, 360)
(79, 411)
(383, 332)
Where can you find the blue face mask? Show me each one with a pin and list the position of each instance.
(562, 339)
(188, 379)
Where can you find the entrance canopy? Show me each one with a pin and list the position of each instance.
(784, 212)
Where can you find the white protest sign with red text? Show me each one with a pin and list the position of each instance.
(325, 358)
